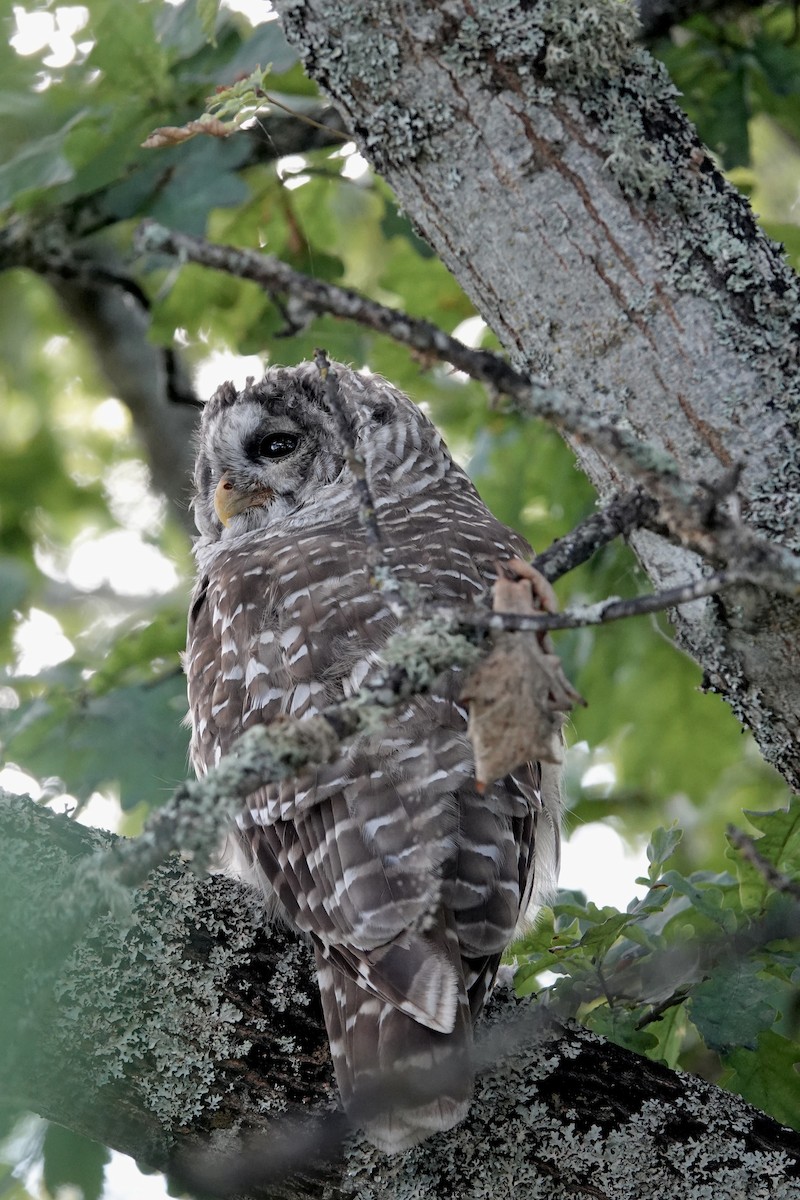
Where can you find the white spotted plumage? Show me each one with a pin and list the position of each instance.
(409, 883)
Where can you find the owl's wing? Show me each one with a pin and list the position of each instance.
(352, 848)
(409, 883)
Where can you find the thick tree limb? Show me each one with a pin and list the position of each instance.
(540, 151)
(108, 307)
(693, 518)
(186, 1025)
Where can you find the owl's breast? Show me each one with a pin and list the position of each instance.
(285, 624)
(279, 627)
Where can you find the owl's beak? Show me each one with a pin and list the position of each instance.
(228, 501)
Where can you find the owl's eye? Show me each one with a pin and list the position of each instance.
(278, 445)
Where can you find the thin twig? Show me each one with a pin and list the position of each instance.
(317, 296)
(340, 135)
(748, 849)
(615, 519)
(658, 1010)
(611, 609)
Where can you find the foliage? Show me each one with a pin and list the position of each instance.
(77, 500)
(701, 972)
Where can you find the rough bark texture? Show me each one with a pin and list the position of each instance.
(182, 1024)
(540, 151)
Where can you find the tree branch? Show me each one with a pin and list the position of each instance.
(611, 609)
(188, 1026)
(616, 519)
(106, 304)
(618, 265)
(694, 516)
(312, 296)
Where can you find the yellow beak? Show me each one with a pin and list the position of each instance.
(228, 501)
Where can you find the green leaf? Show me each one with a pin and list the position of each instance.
(706, 901)
(202, 176)
(188, 27)
(267, 44)
(780, 63)
(131, 55)
(15, 581)
(670, 1033)
(734, 1005)
(604, 932)
(42, 164)
(620, 1025)
(779, 844)
(780, 837)
(131, 736)
(768, 1077)
(728, 121)
(207, 11)
(662, 846)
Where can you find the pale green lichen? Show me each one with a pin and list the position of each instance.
(153, 1014)
(638, 165)
(96, 1001)
(522, 1139)
(426, 648)
(402, 133)
(282, 993)
(586, 42)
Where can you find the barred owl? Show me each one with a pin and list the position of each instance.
(408, 882)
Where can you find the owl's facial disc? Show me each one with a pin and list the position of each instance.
(228, 502)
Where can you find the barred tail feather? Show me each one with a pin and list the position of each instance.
(399, 1080)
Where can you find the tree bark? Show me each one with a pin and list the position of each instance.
(182, 1029)
(540, 151)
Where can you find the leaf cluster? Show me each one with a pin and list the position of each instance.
(738, 72)
(702, 972)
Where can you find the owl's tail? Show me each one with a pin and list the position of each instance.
(400, 1080)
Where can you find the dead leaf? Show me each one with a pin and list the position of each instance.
(173, 135)
(518, 695)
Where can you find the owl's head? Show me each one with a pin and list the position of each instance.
(272, 453)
